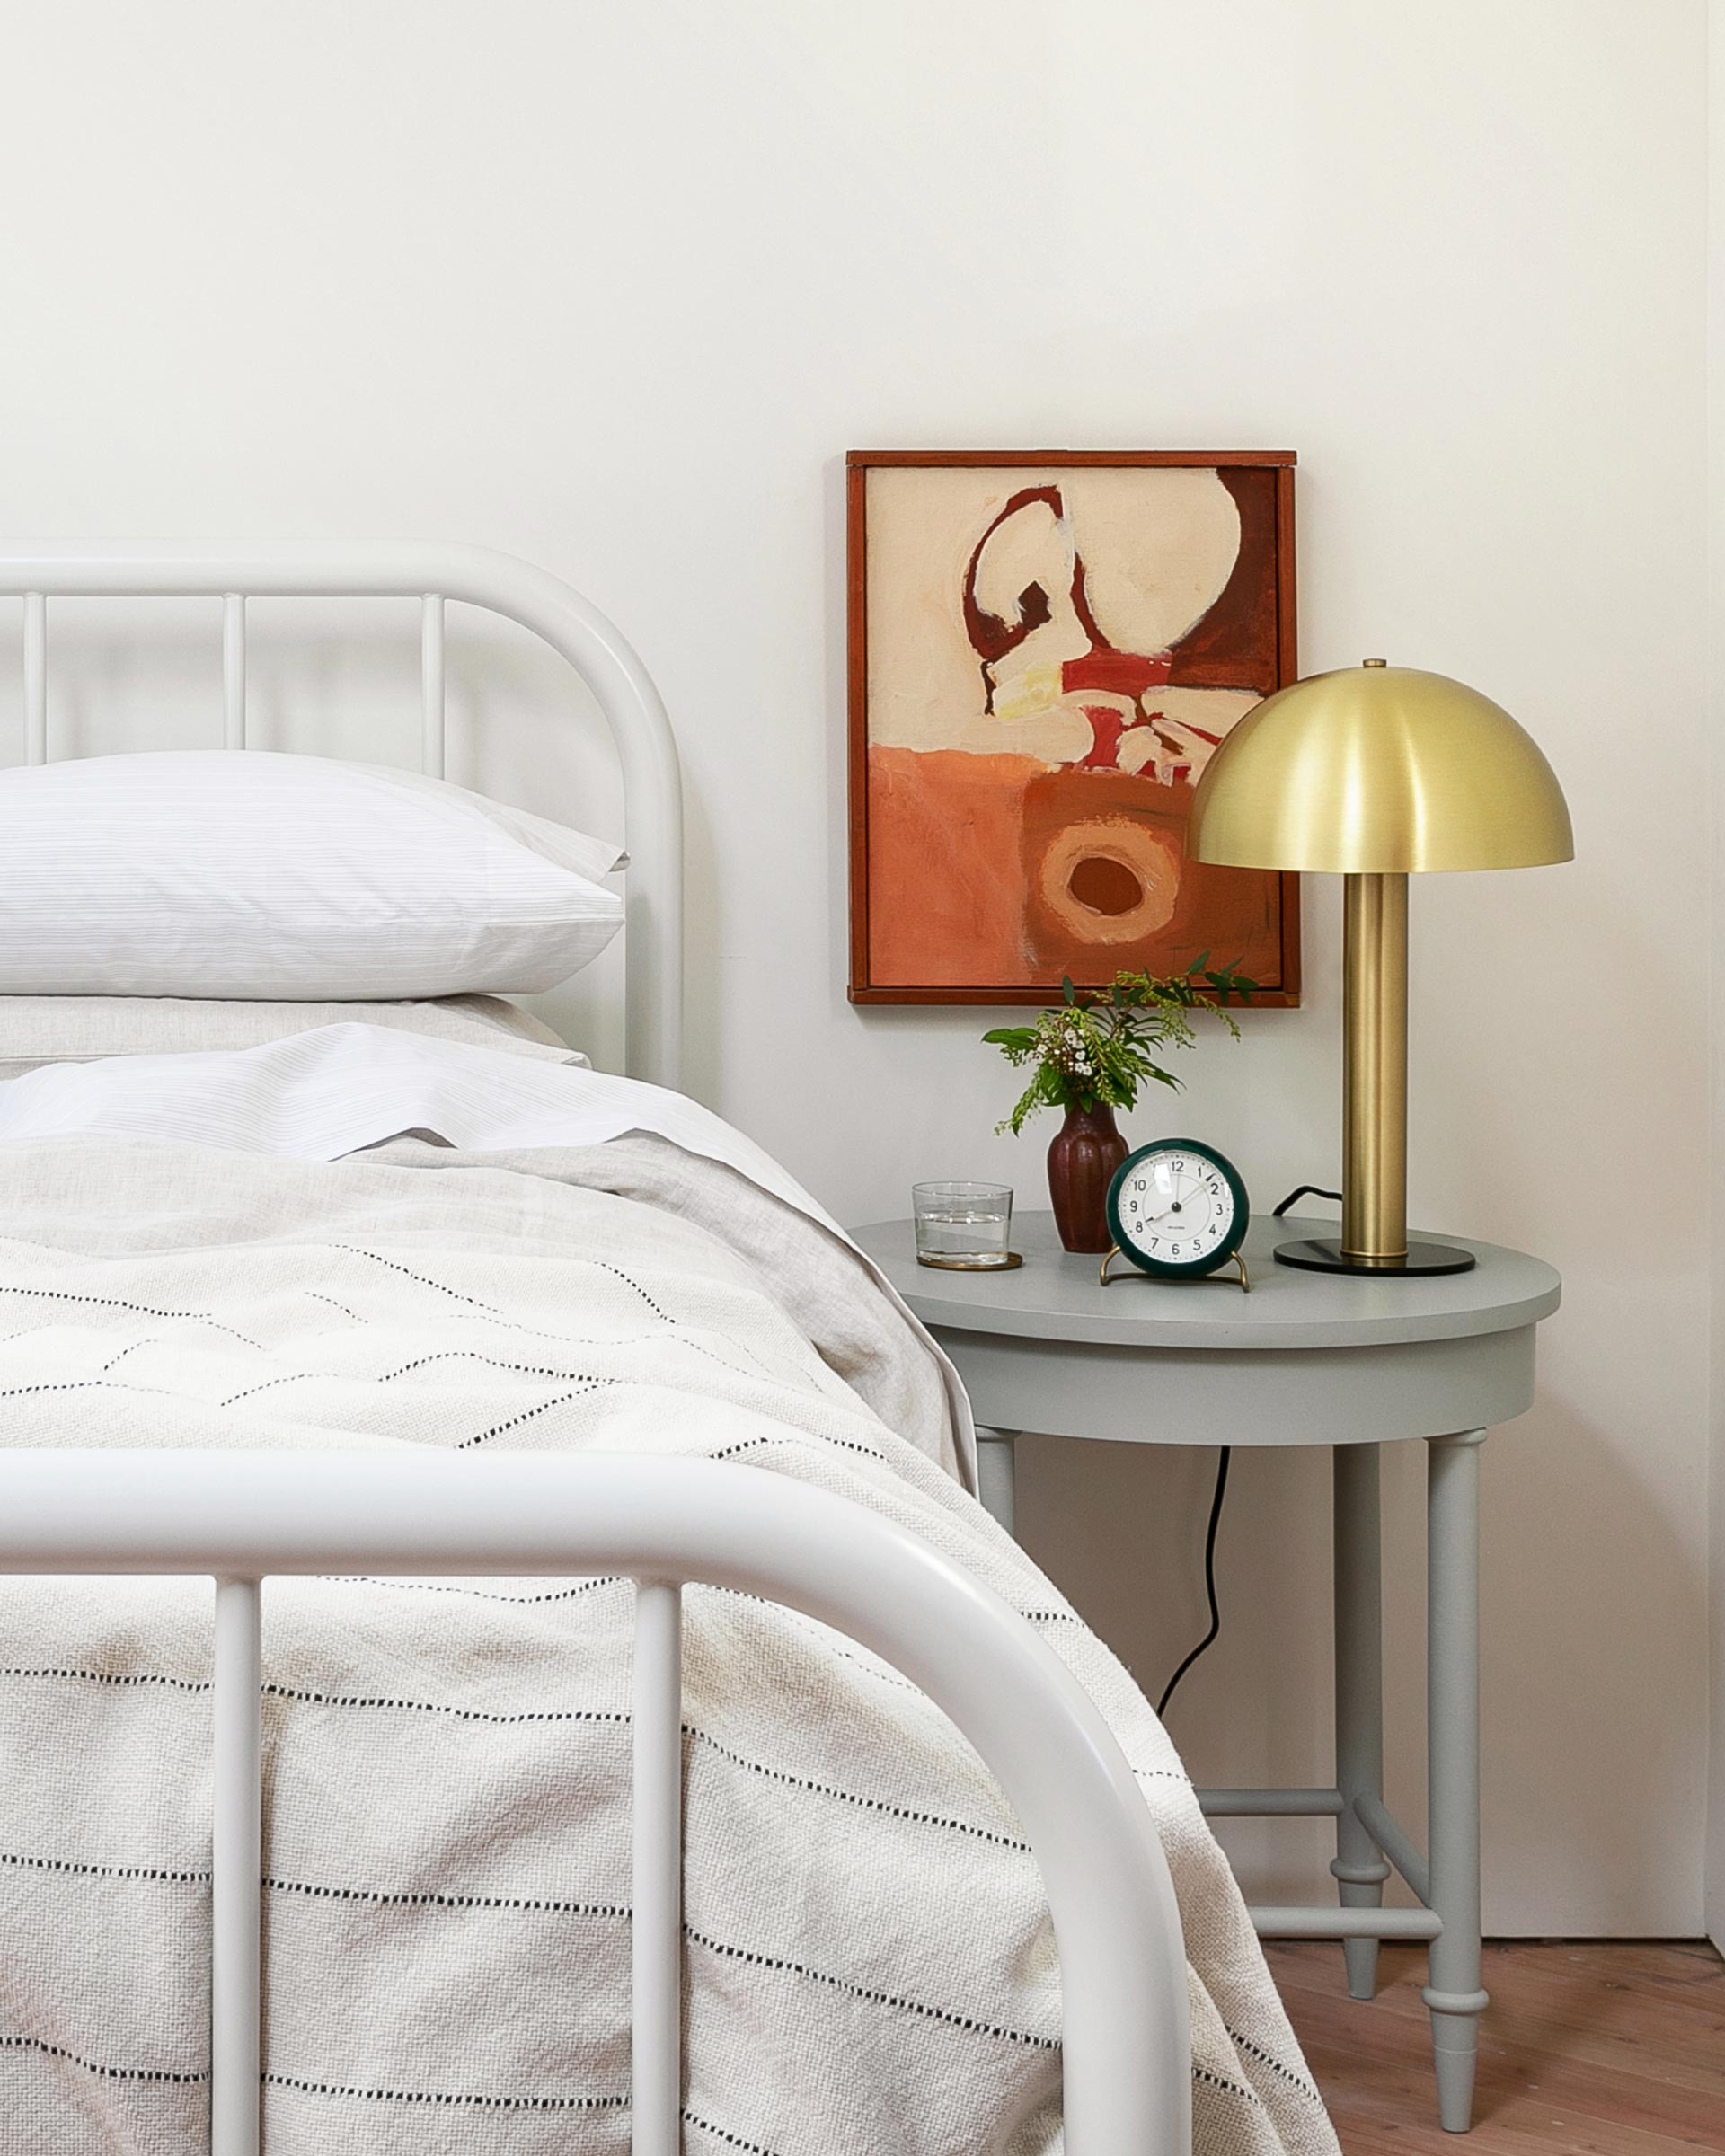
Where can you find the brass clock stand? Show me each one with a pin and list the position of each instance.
(1216, 1279)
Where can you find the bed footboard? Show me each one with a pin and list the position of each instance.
(240, 1518)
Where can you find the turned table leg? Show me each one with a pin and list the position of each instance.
(1359, 1868)
(1454, 1992)
(996, 1472)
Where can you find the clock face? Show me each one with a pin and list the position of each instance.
(1178, 1207)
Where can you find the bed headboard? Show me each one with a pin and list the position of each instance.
(38, 571)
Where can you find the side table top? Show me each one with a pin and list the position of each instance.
(1055, 1296)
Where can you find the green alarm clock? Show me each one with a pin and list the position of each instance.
(1178, 1210)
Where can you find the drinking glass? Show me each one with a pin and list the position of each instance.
(965, 1227)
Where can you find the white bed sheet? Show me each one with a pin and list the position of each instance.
(336, 1089)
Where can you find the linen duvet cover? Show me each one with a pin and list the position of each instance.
(869, 1963)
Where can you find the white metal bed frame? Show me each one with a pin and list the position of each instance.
(240, 1518)
(38, 570)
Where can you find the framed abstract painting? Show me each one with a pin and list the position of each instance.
(1045, 649)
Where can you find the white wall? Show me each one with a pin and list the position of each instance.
(1715, 1846)
(615, 287)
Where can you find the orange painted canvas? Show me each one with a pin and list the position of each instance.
(1044, 651)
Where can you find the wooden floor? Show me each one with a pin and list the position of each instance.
(1614, 2049)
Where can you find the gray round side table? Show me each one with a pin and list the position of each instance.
(1305, 1359)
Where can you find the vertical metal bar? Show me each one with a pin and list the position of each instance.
(235, 1866)
(35, 678)
(657, 1927)
(233, 670)
(431, 736)
(1375, 1067)
(1358, 1868)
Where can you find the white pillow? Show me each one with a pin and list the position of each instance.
(36, 1030)
(236, 872)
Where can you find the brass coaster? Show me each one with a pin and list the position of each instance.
(1010, 1263)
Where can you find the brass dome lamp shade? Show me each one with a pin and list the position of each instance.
(1376, 773)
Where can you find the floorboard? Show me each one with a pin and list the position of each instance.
(1593, 2048)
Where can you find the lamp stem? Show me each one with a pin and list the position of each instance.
(1375, 1070)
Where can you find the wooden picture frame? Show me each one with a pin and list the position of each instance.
(961, 891)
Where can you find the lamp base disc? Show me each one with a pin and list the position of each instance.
(1324, 1254)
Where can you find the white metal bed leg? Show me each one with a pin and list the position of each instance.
(233, 670)
(657, 2069)
(35, 678)
(236, 1862)
(431, 701)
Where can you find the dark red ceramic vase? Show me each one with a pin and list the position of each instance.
(1086, 1151)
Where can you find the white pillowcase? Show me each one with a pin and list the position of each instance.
(237, 872)
(37, 1029)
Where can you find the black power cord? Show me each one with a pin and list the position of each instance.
(1292, 1199)
(1226, 1455)
(1305, 1190)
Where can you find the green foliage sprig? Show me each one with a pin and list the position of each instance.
(1101, 1045)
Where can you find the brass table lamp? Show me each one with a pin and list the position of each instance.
(1375, 774)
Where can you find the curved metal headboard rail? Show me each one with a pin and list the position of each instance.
(37, 571)
(243, 1516)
